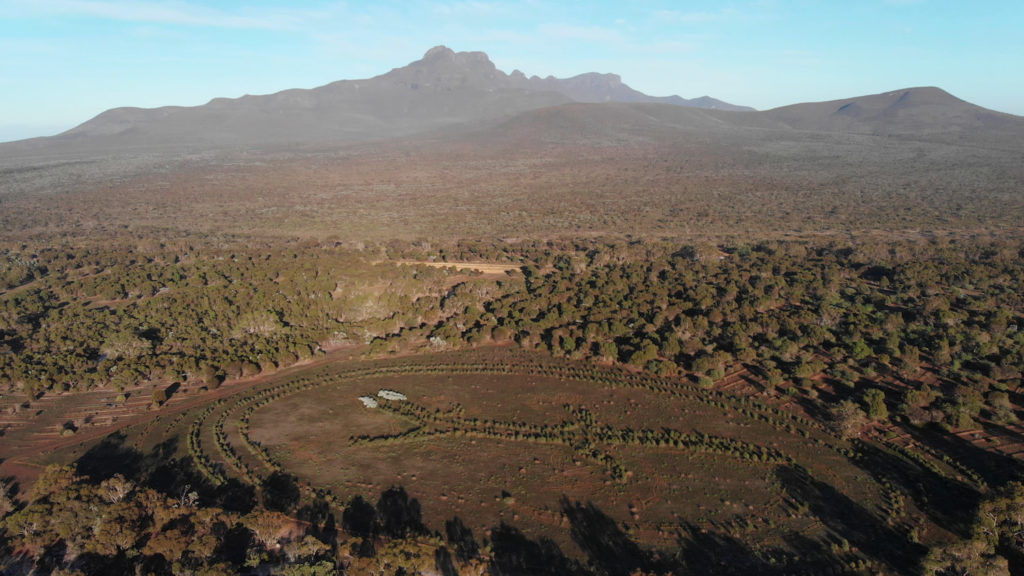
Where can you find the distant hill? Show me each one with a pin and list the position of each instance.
(913, 114)
(926, 112)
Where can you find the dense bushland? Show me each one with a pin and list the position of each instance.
(116, 316)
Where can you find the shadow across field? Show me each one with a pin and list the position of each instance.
(9, 485)
(995, 468)
(850, 521)
(513, 554)
(461, 538)
(949, 503)
(703, 551)
(161, 470)
(607, 550)
(1006, 431)
(395, 516)
(603, 546)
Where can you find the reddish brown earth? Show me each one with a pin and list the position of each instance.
(32, 434)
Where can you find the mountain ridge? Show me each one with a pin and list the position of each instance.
(591, 87)
(441, 90)
(455, 92)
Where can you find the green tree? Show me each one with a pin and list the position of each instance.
(874, 402)
(1001, 407)
(848, 419)
(159, 397)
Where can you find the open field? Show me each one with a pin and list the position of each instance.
(458, 466)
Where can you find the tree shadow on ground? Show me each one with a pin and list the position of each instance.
(993, 429)
(360, 519)
(162, 471)
(608, 549)
(806, 555)
(171, 390)
(513, 554)
(111, 456)
(817, 409)
(704, 551)
(281, 492)
(849, 520)
(460, 537)
(9, 485)
(444, 563)
(322, 521)
(949, 503)
(400, 516)
(611, 552)
(394, 517)
(995, 468)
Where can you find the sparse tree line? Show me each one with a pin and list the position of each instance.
(206, 466)
(581, 432)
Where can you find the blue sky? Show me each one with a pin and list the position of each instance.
(64, 61)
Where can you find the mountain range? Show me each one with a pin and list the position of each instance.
(463, 92)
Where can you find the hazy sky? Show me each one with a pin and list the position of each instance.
(64, 61)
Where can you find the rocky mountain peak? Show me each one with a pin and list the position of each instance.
(442, 67)
(438, 52)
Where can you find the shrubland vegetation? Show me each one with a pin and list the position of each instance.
(534, 181)
(112, 317)
(790, 311)
(839, 317)
(868, 319)
(861, 340)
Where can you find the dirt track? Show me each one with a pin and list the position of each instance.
(483, 267)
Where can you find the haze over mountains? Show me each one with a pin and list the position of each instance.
(463, 92)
